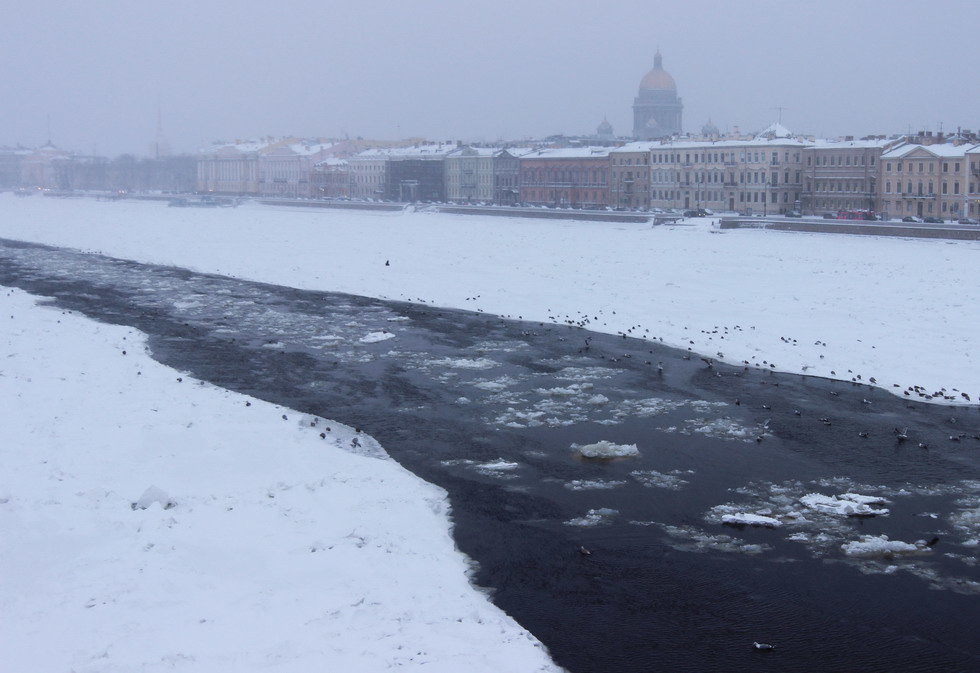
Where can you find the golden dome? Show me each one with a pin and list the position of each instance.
(658, 78)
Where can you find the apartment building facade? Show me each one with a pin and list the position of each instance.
(576, 177)
(929, 181)
(629, 172)
(762, 175)
(842, 175)
(470, 174)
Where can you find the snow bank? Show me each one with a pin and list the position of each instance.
(828, 305)
(285, 551)
(604, 449)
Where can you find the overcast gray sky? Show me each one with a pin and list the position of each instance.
(473, 70)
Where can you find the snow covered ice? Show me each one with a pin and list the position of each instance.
(152, 523)
(604, 449)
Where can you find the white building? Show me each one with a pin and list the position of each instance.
(761, 175)
(268, 167)
(470, 174)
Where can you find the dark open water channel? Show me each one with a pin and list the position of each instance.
(489, 408)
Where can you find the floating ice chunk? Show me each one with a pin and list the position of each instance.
(513, 418)
(591, 484)
(493, 386)
(847, 504)
(863, 499)
(598, 399)
(462, 400)
(274, 345)
(654, 479)
(722, 428)
(499, 464)
(567, 391)
(593, 517)
(375, 337)
(877, 546)
(604, 449)
(748, 519)
(154, 495)
(465, 363)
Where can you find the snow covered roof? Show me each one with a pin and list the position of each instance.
(515, 151)
(569, 153)
(427, 151)
(474, 151)
(775, 130)
(237, 146)
(938, 150)
(638, 146)
(757, 142)
(824, 144)
(310, 148)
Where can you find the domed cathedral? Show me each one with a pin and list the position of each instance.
(656, 108)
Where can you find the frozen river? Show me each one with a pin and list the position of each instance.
(499, 412)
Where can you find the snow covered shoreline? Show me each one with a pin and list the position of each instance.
(899, 311)
(154, 522)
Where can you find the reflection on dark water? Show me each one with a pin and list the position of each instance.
(490, 408)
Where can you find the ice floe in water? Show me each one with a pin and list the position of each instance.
(846, 504)
(880, 546)
(692, 539)
(465, 363)
(604, 449)
(654, 479)
(566, 391)
(734, 515)
(592, 484)
(513, 418)
(375, 337)
(830, 526)
(723, 428)
(499, 468)
(594, 517)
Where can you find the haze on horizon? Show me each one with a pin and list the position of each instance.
(477, 71)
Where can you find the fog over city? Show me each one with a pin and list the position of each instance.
(93, 77)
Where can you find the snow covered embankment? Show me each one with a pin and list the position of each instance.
(153, 522)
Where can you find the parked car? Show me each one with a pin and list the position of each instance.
(697, 212)
(911, 218)
(933, 220)
(966, 220)
(794, 213)
(829, 216)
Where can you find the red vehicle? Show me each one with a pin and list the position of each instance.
(856, 215)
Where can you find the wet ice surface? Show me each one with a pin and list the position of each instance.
(755, 506)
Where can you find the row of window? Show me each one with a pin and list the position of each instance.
(908, 188)
(838, 160)
(722, 157)
(839, 186)
(928, 207)
(910, 166)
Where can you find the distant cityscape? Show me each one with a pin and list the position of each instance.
(924, 174)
